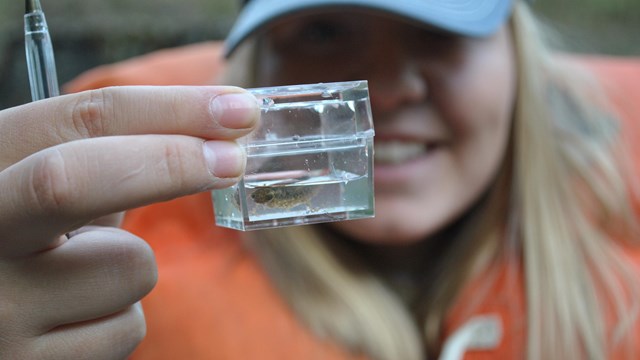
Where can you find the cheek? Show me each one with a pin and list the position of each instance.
(479, 99)
(480, 111)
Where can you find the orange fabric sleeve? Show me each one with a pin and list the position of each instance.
(195, 64)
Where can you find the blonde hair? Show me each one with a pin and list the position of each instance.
(560, 164)
(568, 187)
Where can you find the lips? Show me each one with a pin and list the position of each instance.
(400, 162)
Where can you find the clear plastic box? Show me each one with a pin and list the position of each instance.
(310, 161)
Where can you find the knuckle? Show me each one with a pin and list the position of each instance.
(119, 339)
(89, 112)
(134, 261)
(138, 326)
(146, 267)
(50, 184)
(175, 107)
(173, 164)
(130, 333)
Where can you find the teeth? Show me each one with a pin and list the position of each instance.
(395, 152)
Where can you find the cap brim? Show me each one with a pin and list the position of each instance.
(465, 17)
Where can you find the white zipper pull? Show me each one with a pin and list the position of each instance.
(479, 333)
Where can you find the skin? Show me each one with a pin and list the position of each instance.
(77, 297)
(453, 94)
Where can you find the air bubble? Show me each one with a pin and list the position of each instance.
(268, 102)
(326, 94)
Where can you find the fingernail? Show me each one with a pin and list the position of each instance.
(234, 110)
(225, 159)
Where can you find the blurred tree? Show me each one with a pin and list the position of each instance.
(89, 33)
(594, 26)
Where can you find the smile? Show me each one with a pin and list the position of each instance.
(396, 152)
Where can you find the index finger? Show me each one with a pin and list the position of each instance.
(209, 112)
(64, 187)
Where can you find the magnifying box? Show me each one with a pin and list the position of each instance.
(310, 161)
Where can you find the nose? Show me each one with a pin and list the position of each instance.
(395, 77)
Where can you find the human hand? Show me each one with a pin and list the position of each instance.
(66, 164)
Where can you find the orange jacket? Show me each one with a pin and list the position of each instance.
(213, 301)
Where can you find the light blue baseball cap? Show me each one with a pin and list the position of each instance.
(476, 18)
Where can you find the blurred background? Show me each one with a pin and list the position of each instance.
(87, 33)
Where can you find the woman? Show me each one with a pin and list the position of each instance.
(504, 227)
(487, 160)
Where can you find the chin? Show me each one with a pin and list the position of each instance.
(384, 230)
(403, 219)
